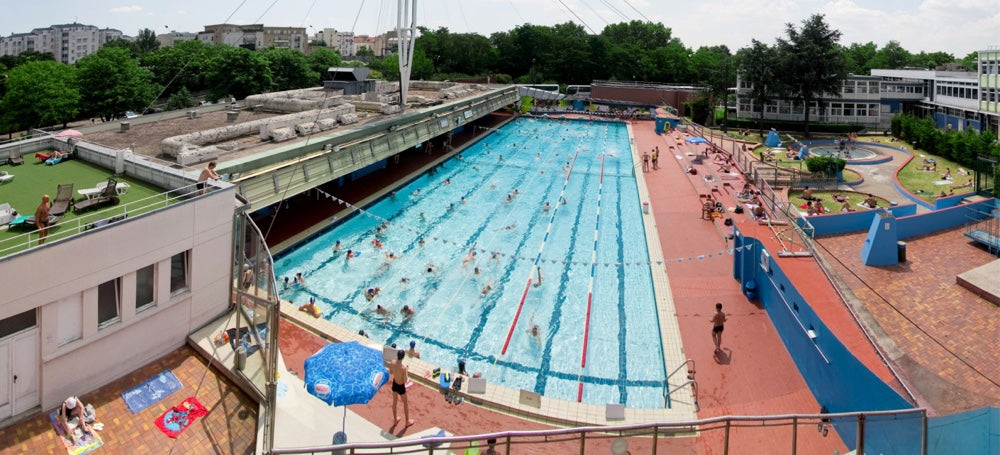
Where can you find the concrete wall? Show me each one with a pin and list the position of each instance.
(838, 380)
(974, 432)
(927, 223)
(72, 269)
(860, 220)
(645, 95)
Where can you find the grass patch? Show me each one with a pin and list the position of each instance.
(33, 179)
(851, 176)
(922, 183)
(853, 199)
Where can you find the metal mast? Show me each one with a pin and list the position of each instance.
(405, 38)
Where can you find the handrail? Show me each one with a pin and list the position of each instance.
(680, 426)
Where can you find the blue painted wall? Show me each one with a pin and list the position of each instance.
(969, 433)
(840, 382)
(926, 223)
(950, 201)
(839, 223)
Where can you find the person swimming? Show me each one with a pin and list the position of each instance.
(371, 293)
(546, 207)
(407, 312)
(420, 241)
(336, 247)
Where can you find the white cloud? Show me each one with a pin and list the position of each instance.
(181, 12)
(126, 9)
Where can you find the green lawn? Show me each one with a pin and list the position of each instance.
(853, 199)
(850, 175)
(33, 179)
(921, 183)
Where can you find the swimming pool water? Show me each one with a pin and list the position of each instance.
(454, 319)
(856, 152)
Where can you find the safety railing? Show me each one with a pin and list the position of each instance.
(901, 431)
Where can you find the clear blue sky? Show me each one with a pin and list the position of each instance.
(954, 26)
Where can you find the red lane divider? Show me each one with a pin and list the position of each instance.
(510, 332)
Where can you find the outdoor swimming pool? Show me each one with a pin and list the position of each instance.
(592, 246)
(856, 152)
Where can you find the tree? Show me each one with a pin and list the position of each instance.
(238, 72)
(122, 43)
(39, 93)
(289, 69)
(712, 66)
(112, 82)
(930, 60)
(423, 69)
(321, 60)
(146, 41)
(181, 100)
(858, 57)
(892, 56)
(811, 63)
(971, 62)
(757, 64)
(181, 65)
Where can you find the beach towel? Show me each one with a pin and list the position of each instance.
(85, 442)
(154, 389)
(179, 417)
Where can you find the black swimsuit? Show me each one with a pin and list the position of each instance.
(399, 388)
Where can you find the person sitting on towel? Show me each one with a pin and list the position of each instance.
(71, 417)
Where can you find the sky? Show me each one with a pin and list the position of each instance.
(954, 26)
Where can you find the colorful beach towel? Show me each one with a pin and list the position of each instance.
(85, 443)
(154, 389)
(179, 417)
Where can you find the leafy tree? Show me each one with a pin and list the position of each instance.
(757, 64)
(317, 43)
(289, 69)
(39, 93)
(892, 56)
(181, 65)
(238, 72)
(423, 69)
(464, 53)
(931, 60)
(971, 62)
(858, 57)
(712, 67)
(321, 60)
(122, 43)
(181, 100)
(146, 41)
(112, 82)
(11, 61)
(811, 63)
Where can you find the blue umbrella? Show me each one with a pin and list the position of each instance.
(696, 140)
(345, 373)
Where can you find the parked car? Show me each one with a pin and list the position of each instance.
(130, 114)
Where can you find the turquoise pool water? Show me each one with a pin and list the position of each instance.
(527, 160)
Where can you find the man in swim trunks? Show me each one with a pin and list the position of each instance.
(42, 219)
(399, 373)
(718, 321)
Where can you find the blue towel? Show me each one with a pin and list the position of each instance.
(439, 434)
(148, 393)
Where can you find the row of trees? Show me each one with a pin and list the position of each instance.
(961, 147)
(123, 76)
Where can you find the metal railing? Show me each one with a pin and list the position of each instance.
(903, 431)
(67, 229)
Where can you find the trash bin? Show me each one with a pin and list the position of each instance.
(241, 357)
(645, 208)
(901, 251)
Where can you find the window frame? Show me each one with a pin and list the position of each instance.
(139, 305)
(117, 295)
(176, 287)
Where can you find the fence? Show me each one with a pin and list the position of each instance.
(864, 432)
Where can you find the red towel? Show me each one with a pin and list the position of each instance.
(179, 417)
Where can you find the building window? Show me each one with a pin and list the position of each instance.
(836, 109)
(848, 109)
(178, 273)
(108, 299)
(17, 323)
(144, 292)
(848, 87)
(873, 110)
(69, 317)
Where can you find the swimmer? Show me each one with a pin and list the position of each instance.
(515, 192)
(431, 268)
(469, 257)
(463, 200)
(371, 293)
(412, 352)
(299, 279)
(501, 158)
(562, 200)
(495, 256)
(511, 226)
(486, 289)
(404, 280)
(536, 332)
(348, 256)
(311, 307)
(447, 181)
(415, 192)
(407, 312)
(390, 256)
(380, 310)
(539, 270)
(451, 206)
(421, 241)
(422, 218)
(509, 197)
(336, 247)
(546, 207)
(475, 270)
(538, 155)
(286, 283)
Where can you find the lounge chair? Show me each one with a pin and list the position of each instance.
(7, 214)
(5, 177)
(28, 222)
(15, 158)
(109, 196)
(64, 196)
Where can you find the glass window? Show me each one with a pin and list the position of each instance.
(144, 293)
(108, 298)
(862, 110)
(836, 108)
(873, 110)
(849, 87)
(17, 323)
(178, 273)
(848, 109)
(69, 319)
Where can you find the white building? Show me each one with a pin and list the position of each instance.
(342, 42)
(95, 304)
(255, 36)
(174, 37)
(67, 42)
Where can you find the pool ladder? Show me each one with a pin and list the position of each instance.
(668, 390)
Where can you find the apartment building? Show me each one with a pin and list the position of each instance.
(255, 36)
(174, 37)
(342, 42)
(67, 42)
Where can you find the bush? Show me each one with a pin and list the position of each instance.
(825, 165)
(181, 100)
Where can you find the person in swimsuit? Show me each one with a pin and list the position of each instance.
(42, 218)
(718, 322)
(399, 373)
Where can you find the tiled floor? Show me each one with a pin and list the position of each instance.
(229, 427)
(947, 334)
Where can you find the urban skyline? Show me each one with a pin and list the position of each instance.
(916, 25)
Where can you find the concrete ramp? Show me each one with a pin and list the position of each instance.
(982, 281)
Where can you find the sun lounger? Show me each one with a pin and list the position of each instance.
(109, 196)
(7, 214)
(15, 158)
(5, 177)
(28, 222)
(64, 196)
